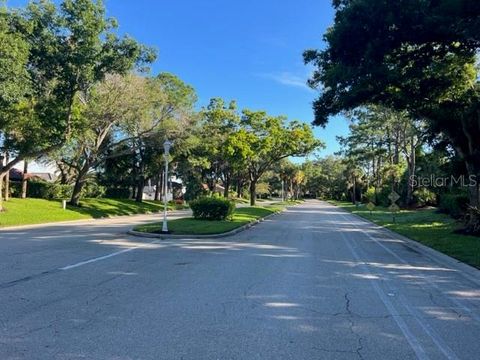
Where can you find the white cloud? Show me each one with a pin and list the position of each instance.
(289, 79)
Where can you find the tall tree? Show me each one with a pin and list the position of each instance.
(63, 51)
(413, 55)
(263, 140)
(219, 122)
(130, 110)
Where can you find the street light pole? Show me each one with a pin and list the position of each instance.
(166, 147)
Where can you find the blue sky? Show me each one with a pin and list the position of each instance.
(247, 50)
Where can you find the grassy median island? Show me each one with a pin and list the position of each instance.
(190, 226)
(426, 226)
(39, 211)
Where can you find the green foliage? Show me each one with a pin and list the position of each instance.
(453, 204)
(428, 227)
(117, 193)
(13, 60)
(425, 197)
(15, 189)
(194, 188)
(212, 208)
(415, 56)
(370, 195)
(57, 54)
(263, 189)
(93, 191)
(189, 226)
(38, 211)
(49, 191)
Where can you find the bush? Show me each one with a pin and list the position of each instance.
(424, 197)
(117, 193)
(212, 208)
(382, 196)
(15, 189)
(93, 191)
(370, 196)
(453, 204)
(45, 190)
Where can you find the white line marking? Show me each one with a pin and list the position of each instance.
(441, 345)
(427, 279)
(411, 339)
(86, 262)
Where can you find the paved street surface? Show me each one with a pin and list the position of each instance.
(311, 283)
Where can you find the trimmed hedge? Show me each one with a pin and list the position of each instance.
(52, 191)
(212, 208)
(49, 191)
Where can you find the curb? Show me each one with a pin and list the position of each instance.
(81, 221)
(469, 272)
(212, 236)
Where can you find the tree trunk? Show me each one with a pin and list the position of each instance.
(24, 180)
(411, 175)
(253, 192)
(1, 192)
(2, 175)
(79, 182)
(157, 188)
(226, 189)
(7, 179)
(354, 191)
(473, 184)
(140, 187)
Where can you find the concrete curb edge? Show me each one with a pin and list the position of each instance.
(212, 236)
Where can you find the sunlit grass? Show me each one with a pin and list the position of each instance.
(38, 211)
(190, 226)
(426, 226)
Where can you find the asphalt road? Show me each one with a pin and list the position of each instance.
(311, 283)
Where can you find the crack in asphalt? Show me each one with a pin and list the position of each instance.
(352, 327)
(27, 278)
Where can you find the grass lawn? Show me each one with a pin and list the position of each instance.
(38, 211)
(190, 226)
(427, 227)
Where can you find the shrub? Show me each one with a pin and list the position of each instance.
(212, 208)
(15, 189)
(453, 204)
(45, 190)
(370, 196)
(93, 191)
(425, 197)
(383, 199)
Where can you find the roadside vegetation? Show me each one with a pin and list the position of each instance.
(413, 104)
(89, 106)
(38, 211)
(427, 226)
(191, 226)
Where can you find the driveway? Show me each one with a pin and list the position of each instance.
(312, 283)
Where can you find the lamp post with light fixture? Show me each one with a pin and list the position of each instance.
(166, 147)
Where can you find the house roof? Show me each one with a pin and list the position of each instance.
(17, 175)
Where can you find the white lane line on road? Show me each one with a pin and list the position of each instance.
(100, 258)
(436, 338)
(427, 278)
(411, 339)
